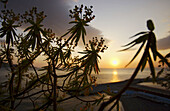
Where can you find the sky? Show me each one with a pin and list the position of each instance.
(115, 21)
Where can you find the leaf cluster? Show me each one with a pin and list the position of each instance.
(149, 39)
(25, 81)
(148, 42)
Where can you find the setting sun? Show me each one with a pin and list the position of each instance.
(115, 62)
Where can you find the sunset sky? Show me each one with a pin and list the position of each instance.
(116, 21)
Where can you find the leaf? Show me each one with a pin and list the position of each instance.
(28, 28)
(78, 36)
(3, 34)
(39, 21)
(153, 45)
(77, 31)
(127, 48)
(138, 40)
(73, 22)
(43, 32)
(160, 72)
(168, 55)
(74, 37)
(14, 34)
(66, 33)
(99, 56)
(151, 67)
(62, 58)
(139, 34)
(92, 47)
(96, 68)
(83, 34)
(68, 54)
(85, 52)
(99, 93)
(33, 42)
(136, 53)
(162, 58)
(144, 64)
(31, 22)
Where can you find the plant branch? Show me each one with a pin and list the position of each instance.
(104, 104)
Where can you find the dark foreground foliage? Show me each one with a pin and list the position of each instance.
(45, 87)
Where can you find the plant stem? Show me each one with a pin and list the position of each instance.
(11, 86)
(55, 88)
(104, 104)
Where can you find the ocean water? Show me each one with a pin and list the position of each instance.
(116, 75)
(105, 75)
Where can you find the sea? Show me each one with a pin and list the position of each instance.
(116, 75)
(106, 75)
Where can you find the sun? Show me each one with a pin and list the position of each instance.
(115, 62)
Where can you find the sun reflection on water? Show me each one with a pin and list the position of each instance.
(115, 76)
(114, 72)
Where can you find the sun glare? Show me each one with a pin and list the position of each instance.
(115, 62)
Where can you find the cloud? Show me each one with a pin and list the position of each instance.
(93, 32)
(75, 0)
(57, 12)
(164, 43)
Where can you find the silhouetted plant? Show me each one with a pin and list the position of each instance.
(81, 18)
(4, 2)
(25, 49)
(166, 76)
(8, 30)
(34, 31)
(26, 82)
(149, 39)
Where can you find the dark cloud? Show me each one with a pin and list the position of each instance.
(57, 12)
(164, 43)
